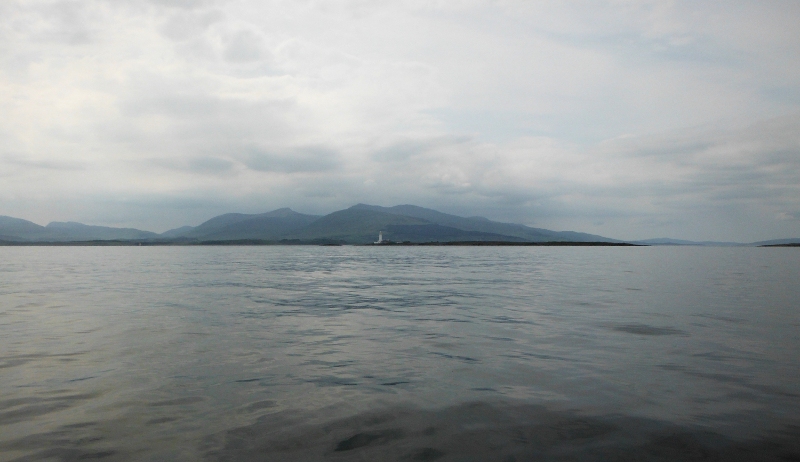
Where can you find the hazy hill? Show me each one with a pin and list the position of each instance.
(71, 231)
(485, 225)
(358, 224)
(354, 226)
(266, 226)
(437, 233)
(361, 224)
(16, 229)
(176, 232)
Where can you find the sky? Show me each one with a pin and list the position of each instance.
(631, 119)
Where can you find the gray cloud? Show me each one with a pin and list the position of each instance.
(199, 164)
(406, 150)
(63, 22)
(629, 119)
(244, 46)
(187, 25)
(182, 4)
(291, 160)
(46, 164)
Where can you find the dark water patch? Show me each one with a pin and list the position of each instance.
(317, 362)
(231, 284)
(361, 440)
(495, 432)
(65, 455)
(23, 409)
(266, 404)
(74, 396)
(179, 401)
(546, 357)
(80, 425)
(714, 356)
(8, 363)
(161, 420)
(68, 443)
(96, 455)
(9, 403)
(447, 320)
(501, 339)
(460, 358)
(672, 367)
(644, 329)
(730, 379)
(391, 384)
(717, 317)
(510, 320)
(428, 454)
(332, 381)
(89, 331)
(247, 380)
(20, 360)
(29, 412)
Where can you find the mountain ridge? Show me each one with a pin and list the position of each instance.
(16, 229)
(481, 224)
(358, 224)
(234, 226)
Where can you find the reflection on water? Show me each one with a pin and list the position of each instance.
(360, 353)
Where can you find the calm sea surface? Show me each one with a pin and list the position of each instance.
(399, 353)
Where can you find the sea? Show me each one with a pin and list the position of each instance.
(387, 353)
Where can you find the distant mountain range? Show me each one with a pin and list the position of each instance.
(359, 224)
(16, 229)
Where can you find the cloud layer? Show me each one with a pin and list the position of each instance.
(630, 119)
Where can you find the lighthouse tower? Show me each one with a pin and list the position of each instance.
(380, 238)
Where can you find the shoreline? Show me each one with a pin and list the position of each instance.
(258, 242)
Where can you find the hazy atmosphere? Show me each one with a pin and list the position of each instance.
(628, 119)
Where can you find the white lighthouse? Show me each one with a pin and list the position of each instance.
(380, 238)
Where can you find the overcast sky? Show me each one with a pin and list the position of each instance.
(625, 118)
